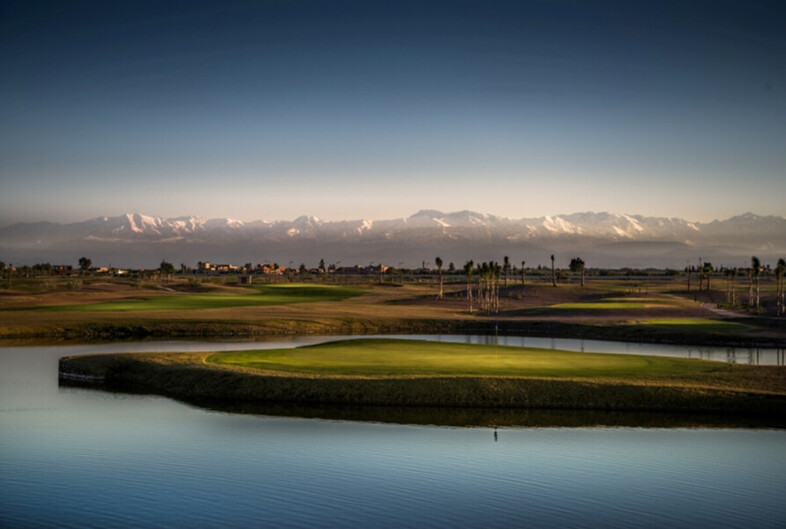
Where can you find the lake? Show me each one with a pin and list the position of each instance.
(74, 457)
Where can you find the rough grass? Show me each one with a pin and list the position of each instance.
(404, 357)
(100, 310)
(256, 296)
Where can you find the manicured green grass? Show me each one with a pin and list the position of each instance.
(408, 357)
(261, 295)
(619, 304)
(695, 324)
(601, 305)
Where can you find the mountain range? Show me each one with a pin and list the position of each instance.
(601, 239)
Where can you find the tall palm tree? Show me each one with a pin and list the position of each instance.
(483, 271)
(506, 267)
(438, 260)
(731, 273)
(755, 273)
(708, 269)
(780, 269)
(553, 272)
(523, 273)
(497, 273)
(468, 267)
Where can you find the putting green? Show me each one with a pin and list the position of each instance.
(264, 295)
(409, 357)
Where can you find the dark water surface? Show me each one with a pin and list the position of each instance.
(72, 457)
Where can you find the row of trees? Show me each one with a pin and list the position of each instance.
(754, 273)
(487, 289)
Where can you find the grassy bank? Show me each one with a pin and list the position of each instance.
(247, 297)
(111, 310)
(77, 331)
(419, 374)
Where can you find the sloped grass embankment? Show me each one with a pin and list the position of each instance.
(412, 373)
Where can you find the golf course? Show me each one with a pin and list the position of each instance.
(393, 372)
(95, 308)
(406, 372)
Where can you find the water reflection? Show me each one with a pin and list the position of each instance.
(485, 417)
(72, 458)
(734, 355)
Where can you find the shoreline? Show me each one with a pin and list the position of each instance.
(173, 329)
(187, 378)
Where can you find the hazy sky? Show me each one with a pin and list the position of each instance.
(345, 110)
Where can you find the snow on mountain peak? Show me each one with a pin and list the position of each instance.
(559, 225)
(365, 225)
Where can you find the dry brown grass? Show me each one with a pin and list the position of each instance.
(408, 308)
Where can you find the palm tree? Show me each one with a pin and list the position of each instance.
(497, 273)
(523, 273)
(780, 269)
(506, 267)
(468, 266)
(482, 270)
(731, 273)
(438, 260)
(708, 269)
(577, 265)
(553, 272)
(755, 273)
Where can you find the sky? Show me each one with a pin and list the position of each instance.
(347, 110)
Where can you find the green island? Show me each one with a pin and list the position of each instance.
(394, 372)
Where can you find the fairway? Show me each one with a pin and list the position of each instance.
(694, 324)
(409, 357)
(621, 304)
(256, 296)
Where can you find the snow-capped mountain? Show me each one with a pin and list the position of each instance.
(608, 238)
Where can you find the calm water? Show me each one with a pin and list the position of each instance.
(73, 457)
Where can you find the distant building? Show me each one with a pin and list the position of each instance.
(271, 270)
(224, 268)
(362, 270)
